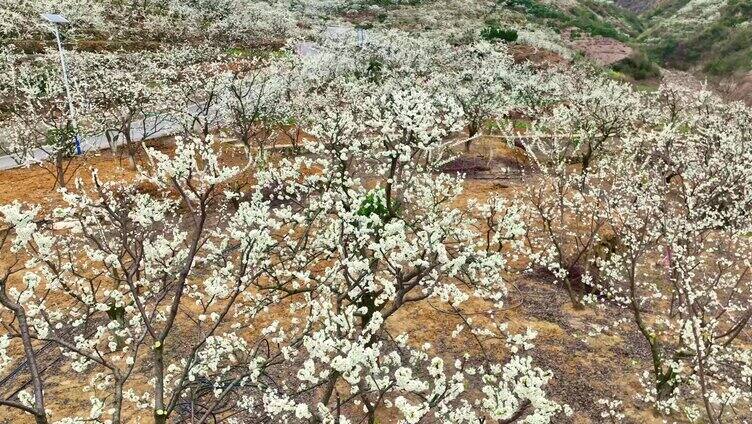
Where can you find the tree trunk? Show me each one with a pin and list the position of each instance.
(131, 147)
(111, 140)
(60, 169)
(160, 413)
(40, 416)
(116, 419)
(576, 303)
(472, 130)
(160, 418)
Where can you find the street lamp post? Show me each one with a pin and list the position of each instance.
(361, 35)
(57, 20)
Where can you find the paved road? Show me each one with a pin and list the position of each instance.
(169, 125)
(155, 128)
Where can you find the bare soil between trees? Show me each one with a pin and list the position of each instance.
(604, 367)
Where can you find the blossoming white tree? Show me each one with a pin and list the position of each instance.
(689, 208)
(43, 125)
(235, 282)
(130, 94)
(281, 306)
(487, 85)
(254, 103)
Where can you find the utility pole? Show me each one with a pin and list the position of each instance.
(56, 21)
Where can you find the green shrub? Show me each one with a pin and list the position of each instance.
(64, 139)
(630, 21)
(589, 22)
(493, 32)
(638, 66)
(375, 204)
(730, 64)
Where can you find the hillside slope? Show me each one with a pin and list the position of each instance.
(592, 17)
(637, 6)
(713, 36)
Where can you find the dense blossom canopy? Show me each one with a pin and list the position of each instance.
(267, 264)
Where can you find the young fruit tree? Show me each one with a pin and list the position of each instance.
(130, 96)
(45, 121)
(678, 208)
(172, 298)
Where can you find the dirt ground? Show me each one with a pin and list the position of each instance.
(602, 50)
(604, 367)
(36, 184)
